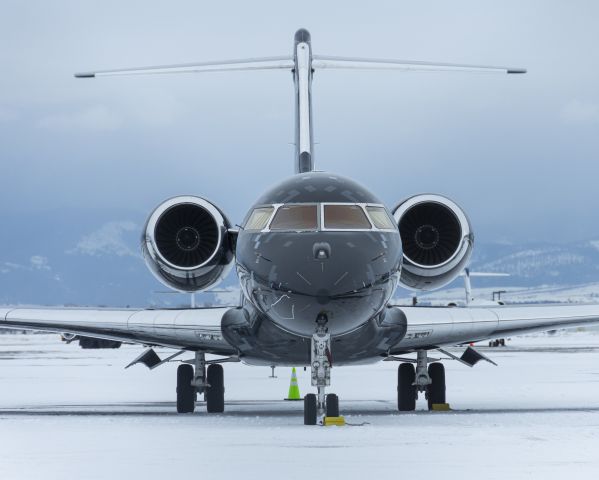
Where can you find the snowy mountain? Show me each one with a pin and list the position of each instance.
(78, 259)
(540, 263)
(83, 258)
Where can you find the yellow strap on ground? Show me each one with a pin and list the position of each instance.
(441, 407)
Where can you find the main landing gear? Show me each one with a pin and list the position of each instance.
(320, 404)
(209, 381)
(411, 381)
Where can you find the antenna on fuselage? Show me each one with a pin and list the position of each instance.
(302, 64)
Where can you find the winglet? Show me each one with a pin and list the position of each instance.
(85, 75)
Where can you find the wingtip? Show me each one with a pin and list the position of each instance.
(516, 70)
(85, 75)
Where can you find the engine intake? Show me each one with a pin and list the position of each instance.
(186, 243)
(437, 241)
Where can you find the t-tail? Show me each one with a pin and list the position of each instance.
(302, 64)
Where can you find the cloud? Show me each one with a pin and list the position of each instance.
(39, 263)
(107, 240)
(95, 119)
(576, 111)
(36, 262)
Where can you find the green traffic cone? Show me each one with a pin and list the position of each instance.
(294, 393)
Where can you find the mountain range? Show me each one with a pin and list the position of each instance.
(82, 258)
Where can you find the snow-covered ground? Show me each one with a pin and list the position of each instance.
(583, 293)
(72, 413)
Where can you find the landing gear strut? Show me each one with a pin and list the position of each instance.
(425, 378)
(200, 380)
(320, 404)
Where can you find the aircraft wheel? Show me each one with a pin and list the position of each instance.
(310, 409)
(215, 393)
(436, 390)
(186, 393)
(332, 405)
(406, 391)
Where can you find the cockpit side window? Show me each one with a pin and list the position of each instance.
(345, 217)
(380, 218)
(295, 217)
(259, 218)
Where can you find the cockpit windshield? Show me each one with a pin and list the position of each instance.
(320, 216)
(345, 217)
(259, 218)
(380, 218)
(295, 217)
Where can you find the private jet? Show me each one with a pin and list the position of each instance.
(318, 258)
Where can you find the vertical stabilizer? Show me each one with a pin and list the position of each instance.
(302, 77)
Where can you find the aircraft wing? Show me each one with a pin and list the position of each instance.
(428, 327)
(197, 328)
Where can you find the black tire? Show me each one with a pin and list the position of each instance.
(406, 391)
(215, 393)
(310, 409)
(436, 390)
(186, 393)
(332, 405)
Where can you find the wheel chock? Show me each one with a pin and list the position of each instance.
(334, 421)
(441, 407)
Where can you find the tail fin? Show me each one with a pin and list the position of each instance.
(302, 64)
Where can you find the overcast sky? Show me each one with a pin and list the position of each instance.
(519, 153)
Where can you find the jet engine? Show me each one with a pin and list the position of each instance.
(437, 241)
(187, 244)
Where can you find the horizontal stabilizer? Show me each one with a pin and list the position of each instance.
(324, 61)
(266, 63)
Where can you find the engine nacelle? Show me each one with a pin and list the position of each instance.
(187, 245)
(437, 241)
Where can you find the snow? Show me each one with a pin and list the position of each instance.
(583, 293)
(72, 413)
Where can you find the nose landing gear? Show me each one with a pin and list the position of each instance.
(320, 404)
